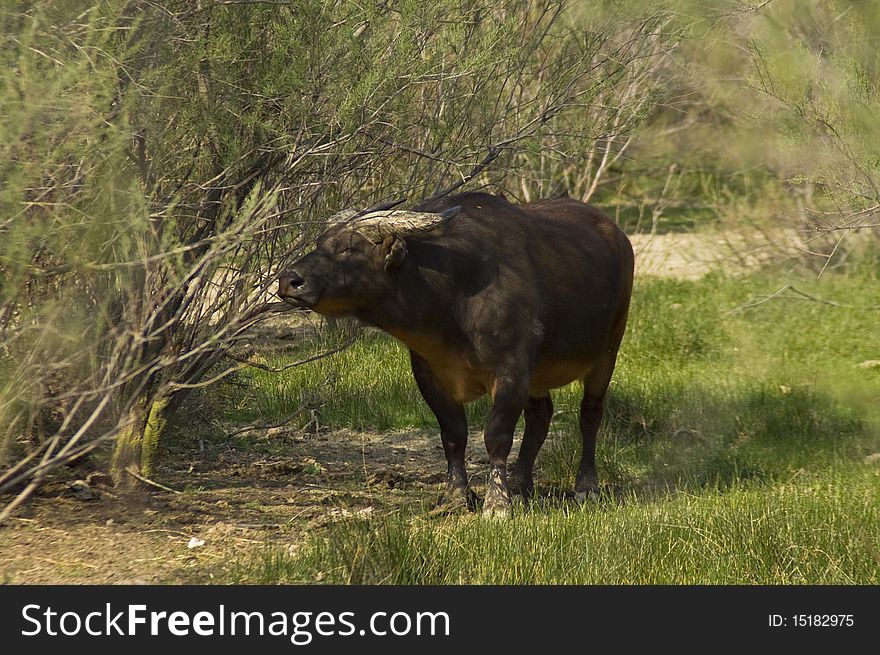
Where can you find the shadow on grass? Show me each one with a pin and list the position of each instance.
(691, 438)
(653, 442)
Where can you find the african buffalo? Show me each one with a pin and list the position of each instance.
(490, 298)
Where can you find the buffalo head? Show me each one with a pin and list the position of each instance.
(355, 259)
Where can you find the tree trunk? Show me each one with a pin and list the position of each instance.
(137, 444)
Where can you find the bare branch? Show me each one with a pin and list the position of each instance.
(798, 295)
(152, 483)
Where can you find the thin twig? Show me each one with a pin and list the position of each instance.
(800, 296)
(279, 369)
(152, 483)
(34, 483)
(268, 426)
(493, 154)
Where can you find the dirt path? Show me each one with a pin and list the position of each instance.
(690, 256)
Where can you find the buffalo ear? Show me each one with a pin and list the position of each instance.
(395, 251)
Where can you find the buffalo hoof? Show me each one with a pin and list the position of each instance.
(587, 490)
(497, 501)
(520, 485)
(586, 483)
(589, 496)
(456, 500)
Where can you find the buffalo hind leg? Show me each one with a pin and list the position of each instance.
(538, 413)
(508, 401)
(592, 408)
(453, 433)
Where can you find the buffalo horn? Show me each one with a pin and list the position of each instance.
(377, 225)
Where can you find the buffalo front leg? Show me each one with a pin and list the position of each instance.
(453, 433)
(508, 402)
(538, 413)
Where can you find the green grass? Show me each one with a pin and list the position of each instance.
(366, 386)
(823, 532)
(734, 448)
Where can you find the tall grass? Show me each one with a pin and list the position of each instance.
(735, 448)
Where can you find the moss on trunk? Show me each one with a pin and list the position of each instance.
(127, 453)
(154, 428)
(137, 444)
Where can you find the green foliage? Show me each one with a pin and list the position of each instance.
(766, 117)
(814, 61)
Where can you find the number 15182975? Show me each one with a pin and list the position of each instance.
(811, 621)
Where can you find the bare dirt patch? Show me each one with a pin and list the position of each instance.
(690, 256)
(234, 501)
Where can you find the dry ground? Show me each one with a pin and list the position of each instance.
(232, 500)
